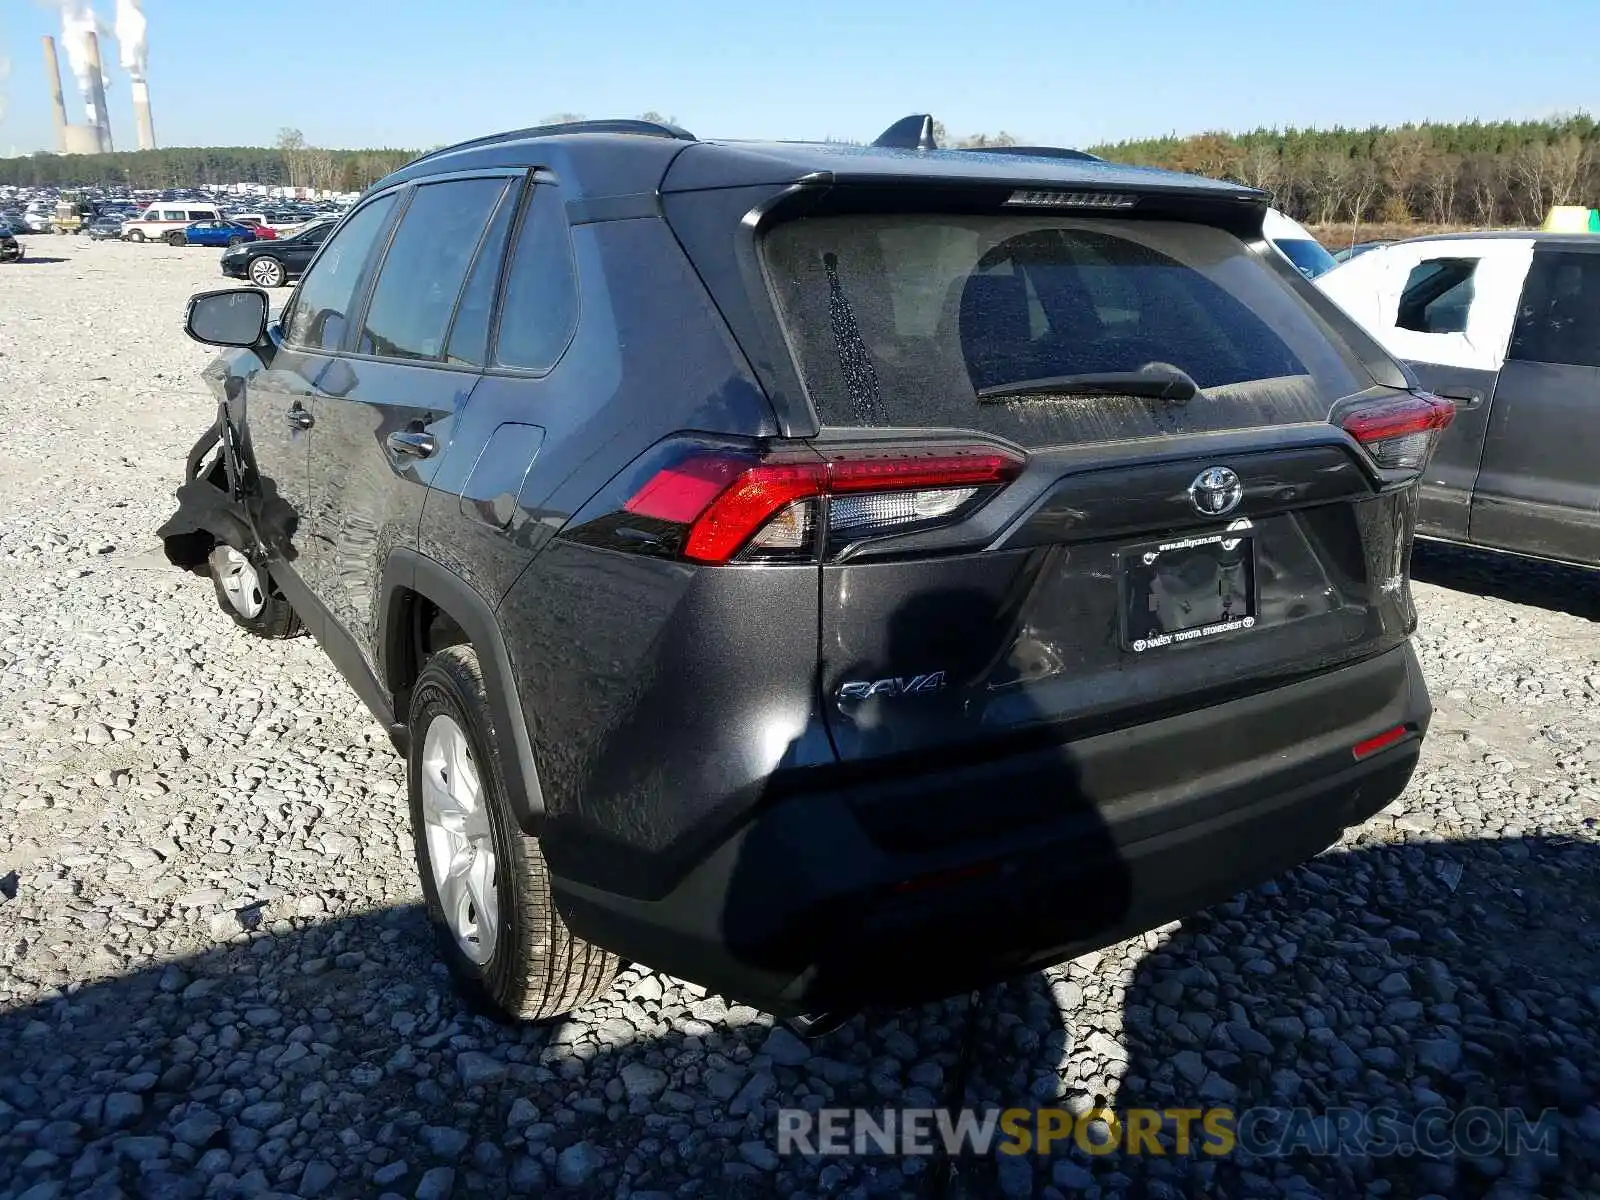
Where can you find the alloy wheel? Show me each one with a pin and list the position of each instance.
(240, 580)
(460, 841)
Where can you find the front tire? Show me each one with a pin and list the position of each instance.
(136, 236)
(268, 272)
(245, 593)
(486, 883)
(177, 239)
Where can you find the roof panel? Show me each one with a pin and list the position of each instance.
(710, 164)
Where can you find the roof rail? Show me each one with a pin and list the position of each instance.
(624, 125)
(1035, 152)
(909, 133)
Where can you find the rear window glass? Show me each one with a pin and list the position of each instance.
(1309, 258)
(899, 321)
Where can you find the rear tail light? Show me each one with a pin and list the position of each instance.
(776, 506)
(1400, 434)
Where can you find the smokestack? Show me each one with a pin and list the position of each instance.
(141, 114)
(58, 103)
(99, 116)
(134, 50)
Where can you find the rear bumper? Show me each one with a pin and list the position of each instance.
(907, 891)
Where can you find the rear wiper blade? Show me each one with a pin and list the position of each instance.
(1169, 383)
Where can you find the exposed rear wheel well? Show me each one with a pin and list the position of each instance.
(420, 630)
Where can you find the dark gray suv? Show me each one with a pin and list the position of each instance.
(836, 575)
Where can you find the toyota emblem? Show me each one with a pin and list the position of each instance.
(1216, 492)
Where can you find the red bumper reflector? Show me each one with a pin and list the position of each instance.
(942, 878)
(1381, 741)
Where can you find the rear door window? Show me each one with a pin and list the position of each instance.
(1558, 320)
(900, 321)
(1437, 296)
(425, 266)
(469, 335)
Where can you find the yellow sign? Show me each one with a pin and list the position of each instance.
(1572, 218)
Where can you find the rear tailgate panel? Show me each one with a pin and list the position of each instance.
(1031, 637)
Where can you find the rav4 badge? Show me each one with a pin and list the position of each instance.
(901, 685)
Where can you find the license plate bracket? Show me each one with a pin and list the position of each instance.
(1187, 589)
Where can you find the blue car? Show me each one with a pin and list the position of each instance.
(212, 233)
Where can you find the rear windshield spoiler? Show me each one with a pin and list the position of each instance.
(1241, 213)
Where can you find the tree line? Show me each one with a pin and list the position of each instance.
(291, 163)
(1478, 173)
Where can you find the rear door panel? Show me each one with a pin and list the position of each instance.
(1445, 501)
(1538, 491)
(367, 496)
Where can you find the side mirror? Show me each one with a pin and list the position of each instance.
(233, 317)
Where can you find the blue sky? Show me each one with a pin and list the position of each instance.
(414, 74)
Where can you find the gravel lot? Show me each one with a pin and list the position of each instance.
(214, 978)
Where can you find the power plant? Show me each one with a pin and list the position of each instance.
(58, 102)
(95, 94)
(80, 36)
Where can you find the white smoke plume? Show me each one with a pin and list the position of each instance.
(132, 47)
(78, 21)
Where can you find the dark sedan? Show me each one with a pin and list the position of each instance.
(10, 248)
(274, 263)
(105, 229)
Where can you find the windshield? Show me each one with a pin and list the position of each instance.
(1308, 256)
(902, 320)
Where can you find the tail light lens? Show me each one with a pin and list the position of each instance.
(1400, 434)
(775, 507)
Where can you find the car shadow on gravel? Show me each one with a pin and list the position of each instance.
(335, 1059)
(1423, 978)
(36, 261)
(1548, 585)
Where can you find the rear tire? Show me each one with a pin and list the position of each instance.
(245, 593)
(268, 272)
(496, 920)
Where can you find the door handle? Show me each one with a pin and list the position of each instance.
(1463, 397)
(412, 443)
(299, 418)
